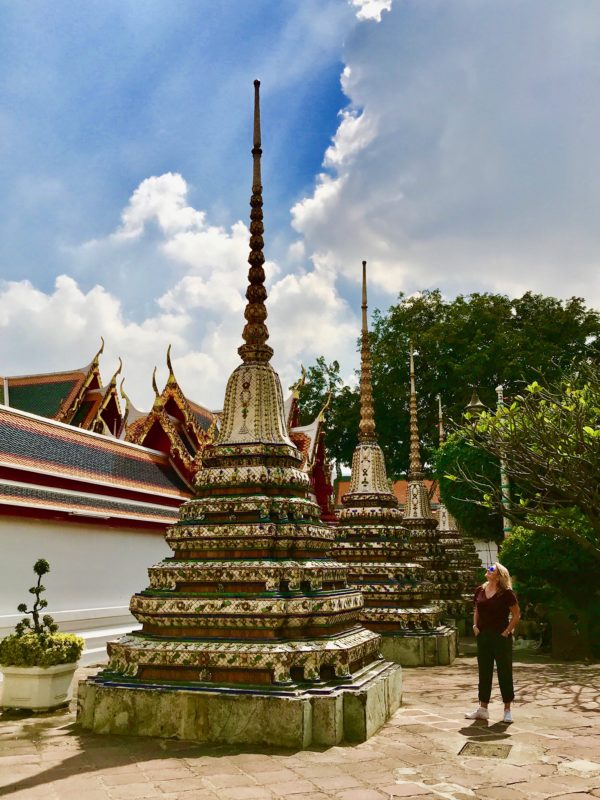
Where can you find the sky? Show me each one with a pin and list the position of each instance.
(452, 145)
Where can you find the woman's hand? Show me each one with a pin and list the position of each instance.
(506, 634)
(476, 630)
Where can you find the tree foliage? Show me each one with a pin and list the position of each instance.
(549, 438)
(550, 570)
(460, 497)
(476, 340)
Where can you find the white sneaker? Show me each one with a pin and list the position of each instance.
(479, 713)
(507, 716)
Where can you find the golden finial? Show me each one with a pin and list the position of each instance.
(300, 382)
(171, 378)
(100, 351)
(117, 371)
(255, 334)
(366, 426)
(154, 386)
(415, 471)
(326, 407)
(128, 403)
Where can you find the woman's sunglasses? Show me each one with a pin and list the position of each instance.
(491, 569)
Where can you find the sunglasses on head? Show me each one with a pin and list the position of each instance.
(491, 569)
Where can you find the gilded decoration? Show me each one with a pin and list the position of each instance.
(252, 596)
(397, 572)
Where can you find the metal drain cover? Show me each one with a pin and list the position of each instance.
(485, 750)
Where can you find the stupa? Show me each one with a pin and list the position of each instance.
(437, 543)
(250, 633)
(460, 551)
(387, 562)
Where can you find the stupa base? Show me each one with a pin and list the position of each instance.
(421, 648)
(323, 715)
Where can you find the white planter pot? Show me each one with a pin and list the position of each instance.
(37, 687)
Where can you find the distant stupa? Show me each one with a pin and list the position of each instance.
(250, 633)
(402, 595)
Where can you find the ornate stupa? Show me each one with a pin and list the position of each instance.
(250, 632)
(402, 601)
(457, 552)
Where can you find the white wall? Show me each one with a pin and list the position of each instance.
(94, 571)
(486, 550)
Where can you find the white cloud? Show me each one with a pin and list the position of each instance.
(200, 313)
(371, 9)
(473, 163)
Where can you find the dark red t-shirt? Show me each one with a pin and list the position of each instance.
(492, 612)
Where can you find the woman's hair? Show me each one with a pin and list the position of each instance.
(504, 579)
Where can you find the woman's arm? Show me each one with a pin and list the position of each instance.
(475, 621)
(515, 616)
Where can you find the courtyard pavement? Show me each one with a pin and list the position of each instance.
(426, 751)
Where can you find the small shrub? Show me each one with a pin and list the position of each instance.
(36, 642)
(40, 650)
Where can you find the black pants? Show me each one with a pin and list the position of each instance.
(492, 646)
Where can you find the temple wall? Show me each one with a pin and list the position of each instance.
(486, 550)
(94, 570)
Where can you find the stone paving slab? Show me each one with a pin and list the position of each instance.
(554, 750)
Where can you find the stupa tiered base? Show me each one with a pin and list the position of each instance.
(349, 710)
(437, 647)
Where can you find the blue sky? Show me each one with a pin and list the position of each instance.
(452, 145)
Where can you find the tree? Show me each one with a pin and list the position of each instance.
(323, 380)
(461, 498)
(476, 340)
(550, 571)
(549, 438)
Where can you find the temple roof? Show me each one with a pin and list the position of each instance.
(33, 444)
(400, 489)
(49, 395)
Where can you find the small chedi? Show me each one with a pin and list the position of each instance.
(458, 552)
(392, 565)
(250, 632)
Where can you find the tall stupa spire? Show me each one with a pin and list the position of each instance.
(367, 417)
(415, 468)
(250, 631)
(446, 521)
(417, 511)
(255, 334)
(369, 488)
(442, 432)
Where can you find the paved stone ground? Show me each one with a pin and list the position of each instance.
(553, 750)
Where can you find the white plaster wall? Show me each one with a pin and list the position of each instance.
(93, 573)
(487, 551)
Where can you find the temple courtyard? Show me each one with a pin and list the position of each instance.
(427, 750)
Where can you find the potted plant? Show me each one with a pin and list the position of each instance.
(38, 663)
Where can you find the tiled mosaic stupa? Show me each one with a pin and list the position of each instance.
(438, 545)
(459, 550)
(250, 632)
(389, 564)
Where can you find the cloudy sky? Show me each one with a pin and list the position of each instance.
(451, 143)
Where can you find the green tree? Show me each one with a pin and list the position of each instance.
(476, 340)
(461, 498)
(549, 438)
(550, 571)
(321, 381)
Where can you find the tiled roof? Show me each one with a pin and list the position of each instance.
(203, 416)
(45, 395)
(37, 444)
(82, 504)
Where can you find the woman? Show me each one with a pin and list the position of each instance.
(495, 617)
